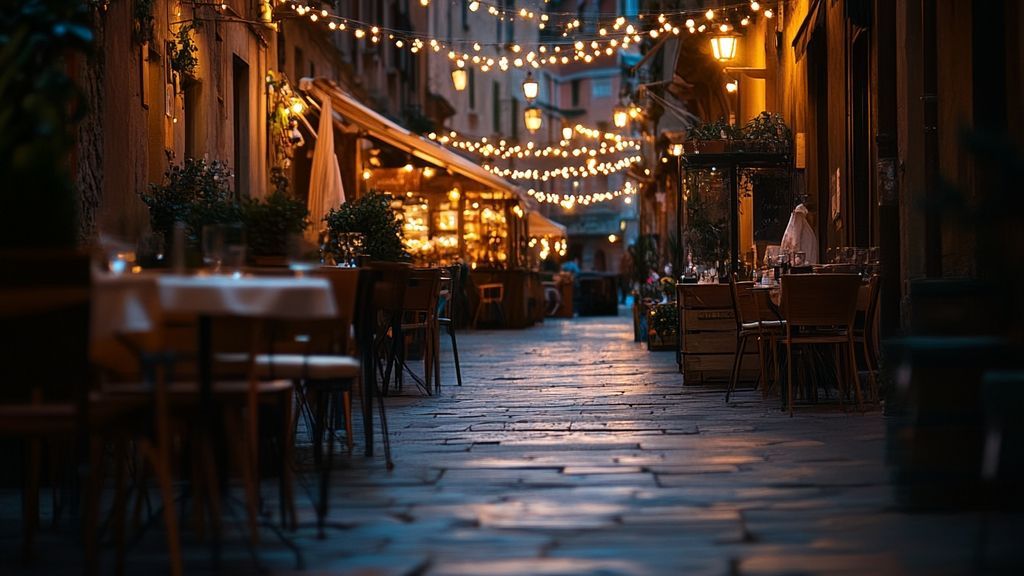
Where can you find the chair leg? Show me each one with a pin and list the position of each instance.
(346, 406)
(158, 456)
(30, 498)
(852, 358)
(455, 354)
(872, 366)
(385, 436)
(287, 494)
(93, 487)
(789, 376)
(435, 334)
(741, 347)
(760, 360)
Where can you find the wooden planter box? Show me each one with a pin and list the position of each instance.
(656, 343)
(707, 329)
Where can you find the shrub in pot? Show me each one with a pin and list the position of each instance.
(711, 137)
(197, 193)
(269, 222)
(767, 132)
(373, 217)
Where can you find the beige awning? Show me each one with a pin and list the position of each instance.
(541, 225)
(815, 19)
(394, 135)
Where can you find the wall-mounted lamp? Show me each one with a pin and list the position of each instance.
(724, 47)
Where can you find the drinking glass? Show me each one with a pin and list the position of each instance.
(234, 249)
(303, 255)
(213, 247)
(799, 259)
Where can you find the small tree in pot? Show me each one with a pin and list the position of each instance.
(270, 222)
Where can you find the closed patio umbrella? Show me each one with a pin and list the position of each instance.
(325, 188)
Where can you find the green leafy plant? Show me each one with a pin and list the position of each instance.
(183, 52)
(41, 105)
(269, 222)
(373, 217)
(142, 20)
(196, 193)
(718, 130)
(769, 131)
(665, 320)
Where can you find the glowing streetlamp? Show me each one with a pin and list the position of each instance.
(566, 131)
(620, 116)
(724, 47)
(530, 87)
(533, 119)
(459, 79)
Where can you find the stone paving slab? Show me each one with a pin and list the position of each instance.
(573, 450)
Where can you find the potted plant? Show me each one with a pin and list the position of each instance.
(643, 257)
(663, 333)
(196, 193)
(711, 137)
(373, 217)
(269, 223)
(767, 132)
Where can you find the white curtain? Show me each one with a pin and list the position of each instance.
(325, 188)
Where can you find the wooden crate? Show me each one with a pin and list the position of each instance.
(707, 335)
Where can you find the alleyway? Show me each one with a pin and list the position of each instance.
(572, 450)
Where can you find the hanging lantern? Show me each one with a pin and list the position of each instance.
(724, 47)
(620, 116)
(676, 149)
(459, 79)
(532, 118)
(530, 87)
(566, 131)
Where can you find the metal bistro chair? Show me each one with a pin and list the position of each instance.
(865, 331)
(820, 309)
(451, 291)
(419, 315)
(749, 324)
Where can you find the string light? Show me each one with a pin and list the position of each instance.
(611, 37)
(591, 168)
(503, 149)
(568, 201)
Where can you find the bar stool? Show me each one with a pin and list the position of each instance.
(492, 294)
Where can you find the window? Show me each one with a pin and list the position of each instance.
(575, 86)
(496, 107)
(472, 89)
(465, 14)
(601, 88)
(240, 110)
(515, 119)
(629, 8)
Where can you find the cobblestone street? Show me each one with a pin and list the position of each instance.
(572, 450)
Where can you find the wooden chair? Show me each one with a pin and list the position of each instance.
(448, 298)
(865, 330)
(820, 309)
(490, 296)
(48, 397)
(317, 357)
(749, 324)
(419, 316)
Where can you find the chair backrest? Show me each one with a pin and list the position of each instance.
(494, 292)
(44, 310)
(422, 288)
(820, 299)
(743, 304)
(389, 281)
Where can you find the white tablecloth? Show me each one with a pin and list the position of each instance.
(134, 303)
